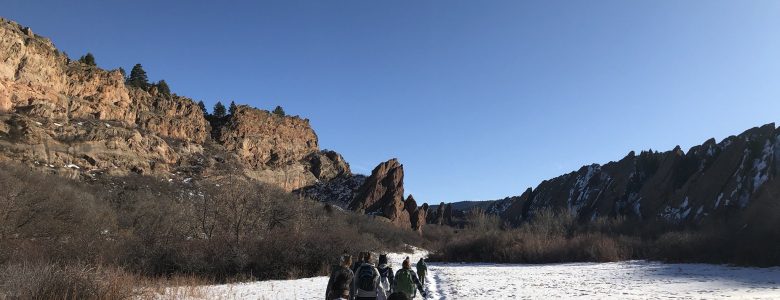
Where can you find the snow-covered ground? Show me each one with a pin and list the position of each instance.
(623, 280)
(300, 289)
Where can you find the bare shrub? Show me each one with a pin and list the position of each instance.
(54, 281)
(549, 237)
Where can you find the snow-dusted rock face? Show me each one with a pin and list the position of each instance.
(56, 113)
(709, 180)
(338, 191)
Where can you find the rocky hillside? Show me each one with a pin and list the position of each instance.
(83, 122)
(709, 182)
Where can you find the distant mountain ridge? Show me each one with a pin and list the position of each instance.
(709, 182)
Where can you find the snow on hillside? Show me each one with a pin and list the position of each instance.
(623, 280)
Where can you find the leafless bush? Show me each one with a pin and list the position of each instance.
(477, 219)
(54, 281)
(549, 237)
(218, 231)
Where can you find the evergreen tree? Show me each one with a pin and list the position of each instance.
(123, 72)
(163, 88)
(279, 111)
(203, 108)
(232, 108)
(138, 77)
(219, 110)
(88, 59)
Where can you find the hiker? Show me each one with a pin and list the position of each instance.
(365, 284)
(358, 262)
(340, 283)
(386, 274)
(422, 269)
(406, 280)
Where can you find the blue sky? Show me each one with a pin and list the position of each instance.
(478, 99)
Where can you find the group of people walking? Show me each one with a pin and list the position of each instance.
(362, 280)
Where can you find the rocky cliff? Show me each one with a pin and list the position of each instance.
(417, 214)
(83, 121)
(709, 182)
(383, 193)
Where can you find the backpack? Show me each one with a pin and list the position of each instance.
(422, 267)
(384, 279)
(404, 282)
(365, 278)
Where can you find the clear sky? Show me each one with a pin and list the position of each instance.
(478, 99)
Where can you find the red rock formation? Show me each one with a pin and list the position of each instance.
(68, 115)
(416, 214)
(170, 116)
(261, 138)
(382, 194)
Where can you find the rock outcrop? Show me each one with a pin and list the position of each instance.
(88, 148)
(327, 165)
(383, 192)
(338, 191)
(83, 121)
(436, 216)
(39, 80)
(262, 139)
(417, 214)
(170, 116)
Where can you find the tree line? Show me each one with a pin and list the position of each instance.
(139, 79)
(219, 111)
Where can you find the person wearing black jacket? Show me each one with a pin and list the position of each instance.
(340, 282)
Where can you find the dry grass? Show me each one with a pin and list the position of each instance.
(550, 237)
(79, 281)
(52, 281)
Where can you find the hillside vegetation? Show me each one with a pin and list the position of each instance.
(66, 237)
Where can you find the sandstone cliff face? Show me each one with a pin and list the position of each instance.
(30, 68)
(99, 94)
(83, 121)
(41, 81)
(712, 179)
(383, 193)
(278, 150)
(170, 116)
(260, 138)
(89, 148)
